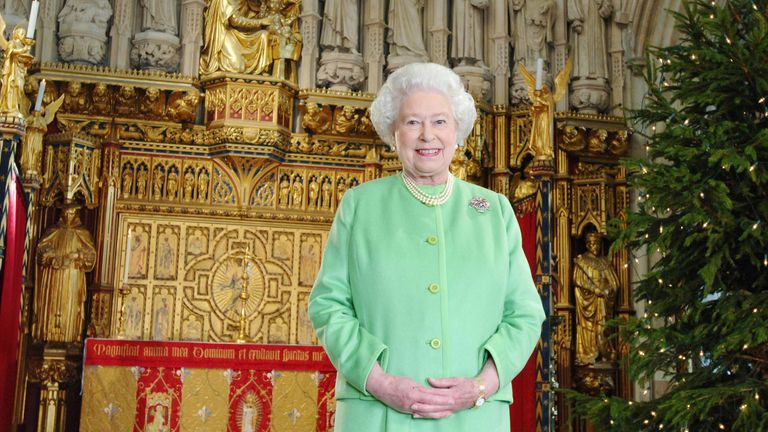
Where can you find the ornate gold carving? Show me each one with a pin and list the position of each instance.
(52, 371)
(72, 167)
(572, 137)
(183, 272)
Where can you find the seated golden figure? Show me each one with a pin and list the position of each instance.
(242, 36)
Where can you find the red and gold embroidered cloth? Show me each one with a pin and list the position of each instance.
(174, 386)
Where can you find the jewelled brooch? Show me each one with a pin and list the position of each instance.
(480, 204)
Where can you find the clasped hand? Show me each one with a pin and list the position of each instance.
(442, 398)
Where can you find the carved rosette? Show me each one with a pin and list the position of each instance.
(155, 50)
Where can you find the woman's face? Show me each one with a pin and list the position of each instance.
(425, 136)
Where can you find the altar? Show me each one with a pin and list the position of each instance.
(131, 385)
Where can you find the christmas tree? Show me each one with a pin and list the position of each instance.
(703, 217)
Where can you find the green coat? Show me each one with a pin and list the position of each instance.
(428, 292)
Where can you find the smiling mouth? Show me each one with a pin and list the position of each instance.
(428, 152)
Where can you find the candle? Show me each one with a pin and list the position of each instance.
(539, 73)
(33, 19)
(127, 256)
(40, 93)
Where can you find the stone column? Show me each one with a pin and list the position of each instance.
(156, 47)
(310, 27)
(437, 26)
(121, 33)
(373, 43)
(499, 61)
(191, 29)
(45, 35)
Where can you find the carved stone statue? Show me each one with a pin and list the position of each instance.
(543, 111)
(468, 17)
(406, 43)
(242, 37)
(340, 26)
(37, 125)
(16, 60)
(532, 23)
(64, 254)
(590, 71)
(159, 15)
(83, 31)
(595, 286)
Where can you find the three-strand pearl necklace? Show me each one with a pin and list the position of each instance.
(430, 200)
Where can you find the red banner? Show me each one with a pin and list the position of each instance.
(205, 355)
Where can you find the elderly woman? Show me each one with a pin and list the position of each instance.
(424, 300)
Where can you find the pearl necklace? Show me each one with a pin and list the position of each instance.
(430, 200)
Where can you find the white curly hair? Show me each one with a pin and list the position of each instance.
(422, 76)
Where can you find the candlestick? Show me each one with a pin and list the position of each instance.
(33, 19)
(539, 73)
(127, 256)
(40, 93)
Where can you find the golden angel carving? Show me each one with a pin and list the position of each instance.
(17, 59)
(37, 125)
(543, 110)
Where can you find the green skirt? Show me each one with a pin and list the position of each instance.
(355, 415)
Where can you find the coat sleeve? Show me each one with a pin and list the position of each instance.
(520, 327)
(350, 347)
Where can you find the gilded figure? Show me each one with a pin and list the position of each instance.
(75, 99)
(523, 184)
(346, 120)
(141, 183)
(572, 138)
(326, 194)
(189, 185)
(595, 286)
(314, 188)
(296, 193)
(125, 103)
(64, 254)
(153, 103)
(245, 37)
(203, 180)
(101, 100)
(183, 108)
(172, 188)
(620, 143)
(37, 125)
(127, 182)
(158, 180)
(543, 110)
(316, 119)
(16, 61)
(285, 188)
(596, 142)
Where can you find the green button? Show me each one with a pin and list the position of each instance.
(435, 343)
(432, 240)
(434, 288)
